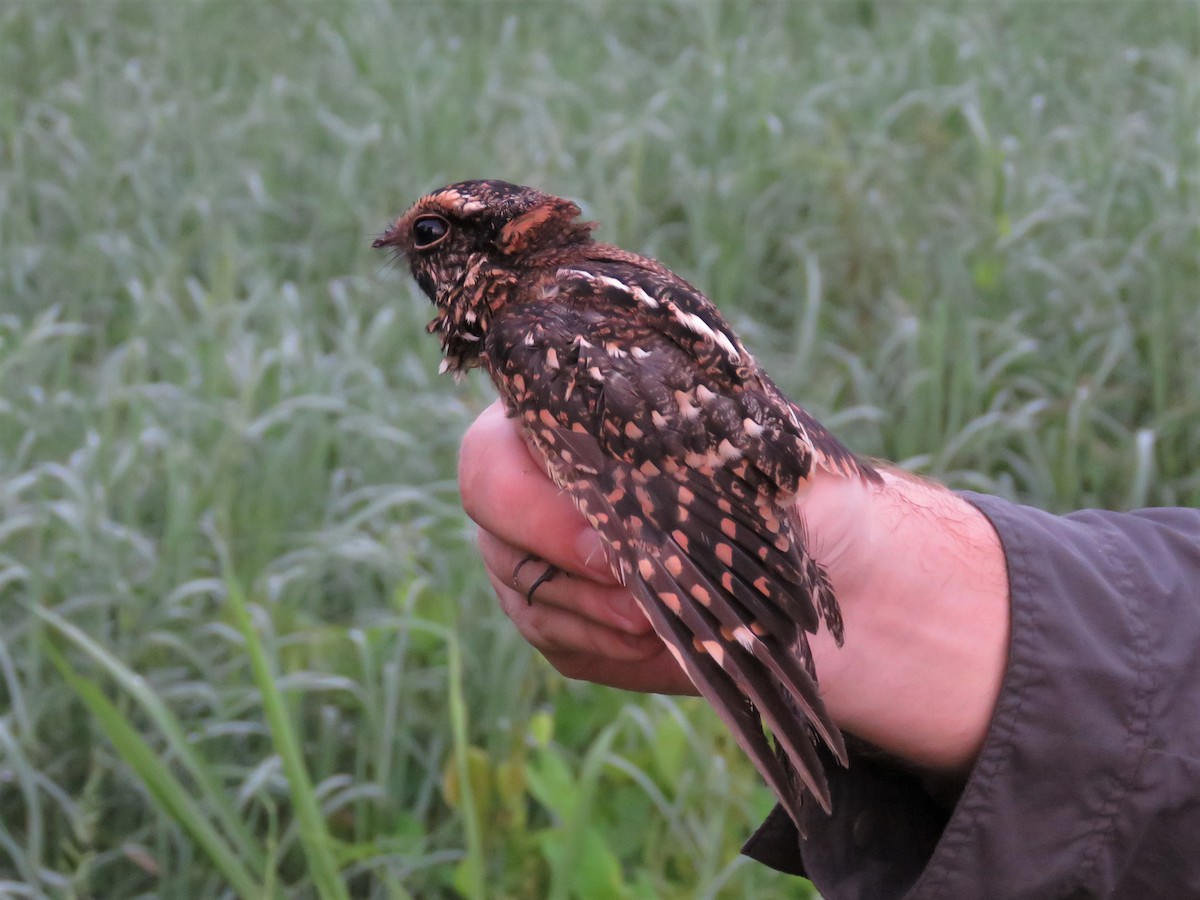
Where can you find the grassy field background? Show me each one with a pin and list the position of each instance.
(245, 646)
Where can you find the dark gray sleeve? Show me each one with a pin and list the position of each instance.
(1088, 783)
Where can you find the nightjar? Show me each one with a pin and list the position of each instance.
(668, 436)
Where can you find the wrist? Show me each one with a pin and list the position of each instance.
(921, 580)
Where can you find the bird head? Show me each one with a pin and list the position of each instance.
(467, 245)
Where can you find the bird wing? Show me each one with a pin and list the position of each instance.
(683, 314)
(686, 486)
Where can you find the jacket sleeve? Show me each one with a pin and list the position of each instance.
(1088, 782)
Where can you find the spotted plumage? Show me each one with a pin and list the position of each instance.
(666, 433)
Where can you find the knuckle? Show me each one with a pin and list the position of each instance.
(471, 477)
(533, 628)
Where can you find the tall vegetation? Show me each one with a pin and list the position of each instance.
(245, 646)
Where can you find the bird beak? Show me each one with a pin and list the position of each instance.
(390, 238)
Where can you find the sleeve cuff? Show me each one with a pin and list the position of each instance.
(1064, 743)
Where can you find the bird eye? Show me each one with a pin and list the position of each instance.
(429, 230)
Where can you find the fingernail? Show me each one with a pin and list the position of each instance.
(638, 642)
(590, 550)
(625, 612)
(635, 620)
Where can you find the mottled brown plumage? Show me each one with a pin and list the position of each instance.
(669, 437)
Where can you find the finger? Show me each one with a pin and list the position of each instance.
(506, 492)
(606, 605)
(657, 674)
(580, 648)
(560, 629)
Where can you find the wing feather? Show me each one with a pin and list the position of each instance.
(749, 674)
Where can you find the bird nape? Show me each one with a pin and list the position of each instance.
(668, 436)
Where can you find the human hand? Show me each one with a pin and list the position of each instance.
(918, 572)
(582, 621)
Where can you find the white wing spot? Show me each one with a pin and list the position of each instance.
(745, 637)
(697, 325)
(727, 451)
(642, 297)
(631, 290)
(727, 345)
(613, 350)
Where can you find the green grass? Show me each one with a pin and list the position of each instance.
(244, 642)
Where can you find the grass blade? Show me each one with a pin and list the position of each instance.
(166, 789)
(314, 835)
(211, 792)
(472, 870)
